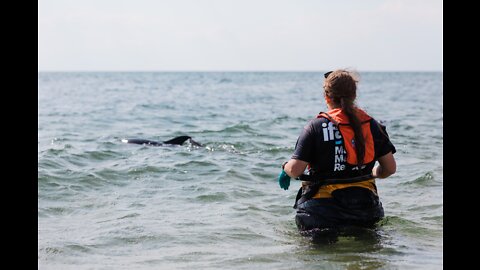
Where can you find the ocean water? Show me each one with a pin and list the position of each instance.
(104, 204)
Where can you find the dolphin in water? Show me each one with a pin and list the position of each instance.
(175, 141)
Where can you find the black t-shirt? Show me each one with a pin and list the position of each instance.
(316, 145)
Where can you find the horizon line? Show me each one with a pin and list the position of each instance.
(217, 71)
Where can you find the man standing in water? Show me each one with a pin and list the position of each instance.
(339, 149)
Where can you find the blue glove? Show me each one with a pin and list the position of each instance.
(284, 180)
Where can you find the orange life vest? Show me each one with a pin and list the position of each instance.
(340, 119)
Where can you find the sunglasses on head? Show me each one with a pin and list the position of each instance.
(326, 74)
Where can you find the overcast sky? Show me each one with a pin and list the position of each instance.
(240, 35)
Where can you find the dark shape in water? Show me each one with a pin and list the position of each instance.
(175, 141)
(327, 236)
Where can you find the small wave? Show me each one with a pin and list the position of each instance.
(194, 163)
(145, 170)
(132, 215)
(54, 151)
(396, 220)
(427, 179)
(79, 248)
(225, 80)
(279, 149)
(438, 219)
(98, 155)
(215, 197)
(48, 163)
(425, 208)
(412, 228)
(230, 148)
(238, 128)
(50, 251)
(54, 211)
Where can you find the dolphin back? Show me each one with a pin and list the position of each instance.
(175, 141)
(181, 139)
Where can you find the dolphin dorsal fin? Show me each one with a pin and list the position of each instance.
(178, 140)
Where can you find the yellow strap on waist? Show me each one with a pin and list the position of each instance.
(325, 191)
